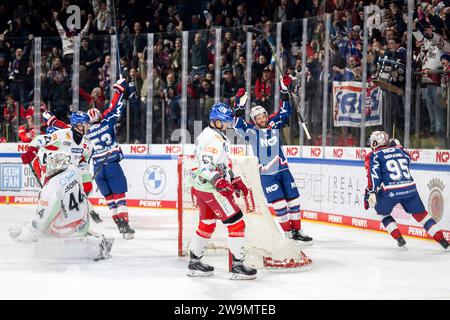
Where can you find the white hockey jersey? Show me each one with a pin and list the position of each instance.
(212, 154)
(62, 140)
(63, 208)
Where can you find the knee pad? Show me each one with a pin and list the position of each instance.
(206, 228)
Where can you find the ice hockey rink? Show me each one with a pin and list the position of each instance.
(348, 264)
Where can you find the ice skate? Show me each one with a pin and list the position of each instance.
(239, 271)
(199, 269)
(443, 243)
(95, 217)
(401, 242)
(302, 238)
(124, 228)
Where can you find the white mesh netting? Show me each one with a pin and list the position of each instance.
(266, 246)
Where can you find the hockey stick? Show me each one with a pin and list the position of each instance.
(260, 33)
(35, 175)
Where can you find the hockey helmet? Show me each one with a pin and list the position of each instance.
(378, 139)
(57, 162)
(256, 111)
(94, 114)
(222, 112)
(79, 117)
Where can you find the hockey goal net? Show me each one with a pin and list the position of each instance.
(266, 246)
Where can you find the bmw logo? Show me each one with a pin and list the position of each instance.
(154, 180)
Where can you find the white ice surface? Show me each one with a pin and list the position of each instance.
(348, 264)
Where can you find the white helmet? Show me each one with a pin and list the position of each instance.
(378, 139)
(94, 115)
(256, 111)
(56, 162)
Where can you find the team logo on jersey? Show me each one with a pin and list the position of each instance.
(436, 199)
(155, 180)
(272, 188)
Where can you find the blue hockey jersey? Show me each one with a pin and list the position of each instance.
(103, 134)
(266, 143)
(388, 173)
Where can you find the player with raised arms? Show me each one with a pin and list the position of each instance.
(61, 223)
(390, 183)
(106, 156)
(213, 189)
(278, 184)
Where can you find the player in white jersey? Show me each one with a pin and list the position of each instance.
(213, 188)
(61, 224)
(71, 141)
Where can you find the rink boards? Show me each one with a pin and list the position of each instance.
(331, 182)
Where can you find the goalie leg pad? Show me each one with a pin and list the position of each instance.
(90, 247)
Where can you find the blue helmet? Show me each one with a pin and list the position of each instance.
(50, 130)
(221, 111)
(79, 117)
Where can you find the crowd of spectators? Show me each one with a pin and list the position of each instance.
(133, 19)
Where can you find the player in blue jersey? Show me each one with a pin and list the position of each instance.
(278, 184)
(390, 182)
(106, 156)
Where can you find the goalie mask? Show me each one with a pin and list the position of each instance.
(378, 139)
(57, 162)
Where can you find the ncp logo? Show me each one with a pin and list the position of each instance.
(442, 156)
(174, 149)
(338, 153)
(292, 151)
(272, 188)
(414, 155)
(138, 149)
(155, 180)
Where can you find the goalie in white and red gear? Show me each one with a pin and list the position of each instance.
(213, 188)
(62, 213)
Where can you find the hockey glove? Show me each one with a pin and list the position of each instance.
(49, 118)
(394, 143)
(223, 187)
(29, 156)
(370, 200)
(238, 186)
(121, 86)
(240, 102)
(285, 82)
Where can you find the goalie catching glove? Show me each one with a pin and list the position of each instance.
(370, 200)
